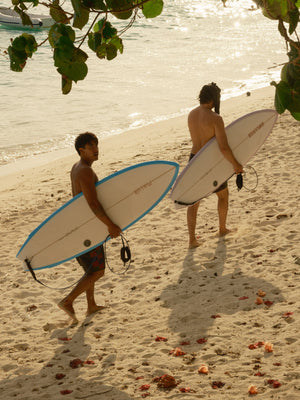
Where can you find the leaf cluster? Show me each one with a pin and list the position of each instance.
(88, 21)
(287, 96)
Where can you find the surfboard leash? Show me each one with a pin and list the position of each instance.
(27, 262)
(240, 179)
(125, 255)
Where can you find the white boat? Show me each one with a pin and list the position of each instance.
(11, 19)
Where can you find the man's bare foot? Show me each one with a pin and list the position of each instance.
(224, 232)
(68, 309)
(194, 244)
(93, 310)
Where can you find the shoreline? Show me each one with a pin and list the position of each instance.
(39, 160)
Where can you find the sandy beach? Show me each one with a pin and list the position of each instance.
(175, 309)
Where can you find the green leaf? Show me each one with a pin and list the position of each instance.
(111, 51)
(153, 8)
(282, 96)
(296, 115)
(58, 14)
(75, 71)
(66, 84)
(118, 43)
(109, 31)
(17, 59)
(293, 20)
(81, 14)
(95, 4)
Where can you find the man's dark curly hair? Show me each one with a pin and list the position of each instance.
(210, 92)
(83, 139)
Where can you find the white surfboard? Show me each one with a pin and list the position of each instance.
(208, 169)
(73, 229)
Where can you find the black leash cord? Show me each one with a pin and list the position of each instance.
(27, 262)
(240, 180)
(125, 255)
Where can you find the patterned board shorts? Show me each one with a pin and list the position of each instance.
(92, 261)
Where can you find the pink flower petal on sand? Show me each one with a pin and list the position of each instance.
(203, 369)
(161, 339)
(287, 314)
(252, 390)
(185, 343)
(186, 390)
(243, 298)
(259, 301)
(89, 362)
(144, 387)
(201, 340)
(268, 303)
(268, 347)
(177, 352)
(273, 382)
(261, 293)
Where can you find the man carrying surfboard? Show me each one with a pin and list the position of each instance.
(83, 179)
(203, 125)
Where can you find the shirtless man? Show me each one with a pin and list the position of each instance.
(203, 124)
(83, 179)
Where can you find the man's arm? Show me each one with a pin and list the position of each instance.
(86, 180)
(224, 146)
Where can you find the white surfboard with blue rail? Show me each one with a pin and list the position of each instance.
(126, 196)
(208, 169)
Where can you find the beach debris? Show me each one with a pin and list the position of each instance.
(144, 387)
(268, 347)
(177, 352)
(185, 343)
(65, 339)
(287, 314)
(215, 316)
(274, 383)
(259, 301)
(280, 216)
(31, 308)
(59, 376)
(217, 384)
(259, 373)
(165, 381)
(273, 250)
(146, 394)
(243, 298)
(201, 340)
(89, 362)
(76, 363)
(252, 390)
(161, 339)
(203, 369)
(66, 391)
(261, 293)
(256, 345)
(139, 377)
(268, 303)
(187, 390)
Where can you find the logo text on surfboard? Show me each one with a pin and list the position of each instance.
(143, 187)
(256, 129)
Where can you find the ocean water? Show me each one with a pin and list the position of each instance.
(165, 62)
